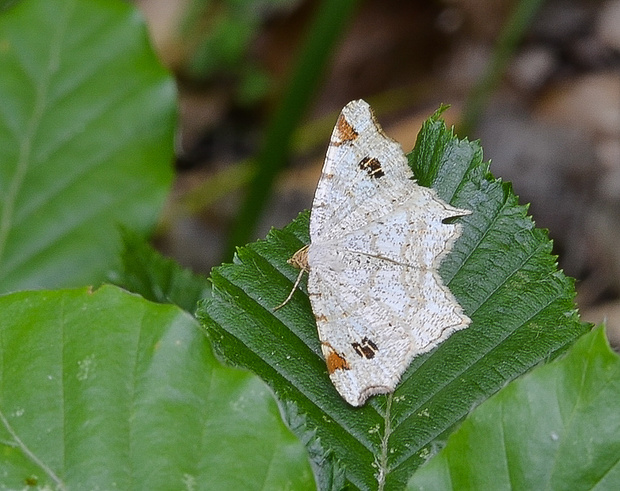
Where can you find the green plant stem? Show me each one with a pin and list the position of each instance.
(327, 26)
(511, 35)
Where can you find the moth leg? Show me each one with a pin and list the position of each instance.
(290, 295)
(299, 260)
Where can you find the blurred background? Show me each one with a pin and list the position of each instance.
(261, 83)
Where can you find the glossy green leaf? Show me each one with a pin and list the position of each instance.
(105, 390)
(86, 138)
(557, 427)
(502, 272)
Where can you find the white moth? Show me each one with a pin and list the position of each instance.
(376, 242)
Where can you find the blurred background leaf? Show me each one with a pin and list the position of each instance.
(220, 35)
(86, 139)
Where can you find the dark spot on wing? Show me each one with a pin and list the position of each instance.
(372, 166)
(366, 348)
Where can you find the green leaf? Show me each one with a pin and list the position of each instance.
(86, 138)
(554, 428)
(157, 278)
(7, 4)
(105, 390)
(503, 274)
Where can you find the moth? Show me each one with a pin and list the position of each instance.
(377, 239)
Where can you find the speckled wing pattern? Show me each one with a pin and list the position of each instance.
(377, 240)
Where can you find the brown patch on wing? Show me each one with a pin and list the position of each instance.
(372, 166)
(346, 133)
(366, 349)
(334, 360)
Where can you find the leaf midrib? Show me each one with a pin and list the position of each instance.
(25, 147)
